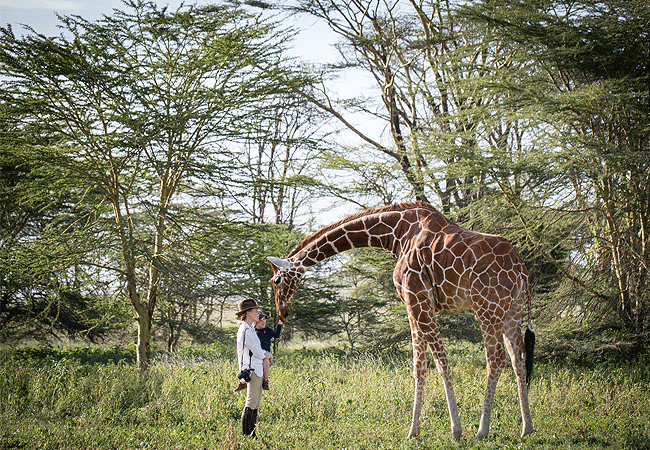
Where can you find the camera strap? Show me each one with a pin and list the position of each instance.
(250, 352)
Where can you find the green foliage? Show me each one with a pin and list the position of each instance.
(318, 399)
(105, 127)
(150, 146)
(579, 81)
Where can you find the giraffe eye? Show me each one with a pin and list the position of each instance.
(277, 281)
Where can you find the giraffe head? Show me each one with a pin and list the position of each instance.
(285, 282)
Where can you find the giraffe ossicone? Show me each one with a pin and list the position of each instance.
(440, 267)
(278, 262)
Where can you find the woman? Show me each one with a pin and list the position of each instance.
(250, 356)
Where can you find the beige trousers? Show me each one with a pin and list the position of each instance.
(254, 392)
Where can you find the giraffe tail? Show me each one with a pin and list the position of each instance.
(529, 340)
(529, 345)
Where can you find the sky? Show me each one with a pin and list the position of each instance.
(40, 14)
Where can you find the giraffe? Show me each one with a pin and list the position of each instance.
(440, 267)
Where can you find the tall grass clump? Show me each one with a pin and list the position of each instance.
(318, 400)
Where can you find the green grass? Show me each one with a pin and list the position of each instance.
(95, 398)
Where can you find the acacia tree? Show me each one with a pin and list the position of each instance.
(432, 71)
(140, 106)
(278, 173)
(586, 84)
(444, 130)
(366, 278)
(36, 299)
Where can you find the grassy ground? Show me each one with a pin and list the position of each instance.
(95, 398)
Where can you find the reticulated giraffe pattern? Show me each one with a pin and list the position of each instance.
(440, 267)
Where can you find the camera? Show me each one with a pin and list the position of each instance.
(245, 375)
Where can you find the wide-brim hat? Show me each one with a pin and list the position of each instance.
(245, 305)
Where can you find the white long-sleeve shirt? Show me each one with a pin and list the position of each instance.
(250, 344)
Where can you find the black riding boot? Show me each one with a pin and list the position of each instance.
(254, 422)
(248, 420)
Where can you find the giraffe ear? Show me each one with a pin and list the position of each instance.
(279, 263)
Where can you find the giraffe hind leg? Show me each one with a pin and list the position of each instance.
(515, 344)
(496, 359)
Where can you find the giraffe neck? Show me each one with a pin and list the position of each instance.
(389, 228)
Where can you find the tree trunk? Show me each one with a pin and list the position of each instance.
(144, 322)
(171, 340)
(144, 342)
